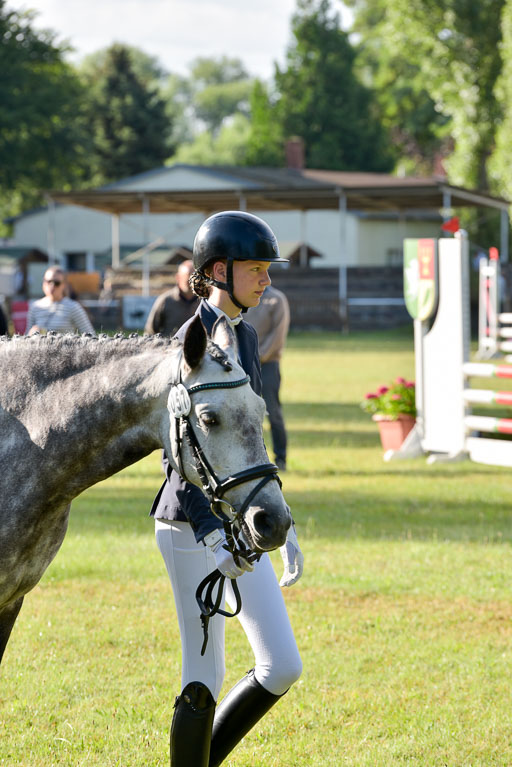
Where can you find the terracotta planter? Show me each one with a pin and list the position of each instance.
(393, 431)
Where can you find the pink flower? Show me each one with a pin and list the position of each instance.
(383, 390)
(410, 384)
(396, 396)
(401, 380)
(371, 396)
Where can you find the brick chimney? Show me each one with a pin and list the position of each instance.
(294, 152)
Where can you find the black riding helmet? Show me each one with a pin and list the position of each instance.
(235, 236)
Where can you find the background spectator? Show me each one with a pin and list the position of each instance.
(175, 306)
(271, 320)
(56, 311)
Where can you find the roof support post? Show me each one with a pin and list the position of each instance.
(504, 227)
(116, 247)
(402, 233)
(145, 235)
(242, 203)
(447, 204)
(303, 254)
(342, 280)
(51, 231)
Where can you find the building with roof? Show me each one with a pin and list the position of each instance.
(354, 219)
(350, 225)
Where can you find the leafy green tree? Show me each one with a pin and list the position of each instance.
(321, 99)
(418, 131)
(500, 164)
(210, 110)
(129, 123)
(146, 68)
(227, 147)
(43, 141)
(175, 91)
(265, 144)
(218, 89)
(454, 50)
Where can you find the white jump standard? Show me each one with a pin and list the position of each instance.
(445, 428)
(493, 325)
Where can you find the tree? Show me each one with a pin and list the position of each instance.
(500, 164)
(418, 131)
(147, 68)
(453, 47)
(218, 89)
(128, 119)
(228, 147)
(265, 144)
(211, 111)
(321, 99)
(43, 141)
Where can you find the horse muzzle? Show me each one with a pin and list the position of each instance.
(265, 528)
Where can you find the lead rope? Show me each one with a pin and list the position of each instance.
(210, 605)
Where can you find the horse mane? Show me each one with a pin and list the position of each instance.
(39, 360)
(34, 362)
(103, 344)
(219, 355)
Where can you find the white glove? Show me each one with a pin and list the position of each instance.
(224, 558)
(293, 559)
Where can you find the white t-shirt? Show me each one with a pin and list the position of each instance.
(64, 316)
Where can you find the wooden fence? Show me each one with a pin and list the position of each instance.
(374, 295)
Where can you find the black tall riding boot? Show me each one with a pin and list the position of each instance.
(191, 728)
(238, 712)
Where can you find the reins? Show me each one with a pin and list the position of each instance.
(180, 405)
(210, 606)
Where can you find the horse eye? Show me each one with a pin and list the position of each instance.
(209, 419)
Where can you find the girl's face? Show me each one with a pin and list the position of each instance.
(250, 278)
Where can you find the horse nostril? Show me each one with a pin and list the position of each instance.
(263, 523)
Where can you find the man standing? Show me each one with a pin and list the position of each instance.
(175, 306)
(271, 320)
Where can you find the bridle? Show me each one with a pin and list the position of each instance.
(180, 405)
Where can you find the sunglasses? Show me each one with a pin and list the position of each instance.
(54, 282)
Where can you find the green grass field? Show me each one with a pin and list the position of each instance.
(403, 615)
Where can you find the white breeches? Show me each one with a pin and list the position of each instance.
(263, 615)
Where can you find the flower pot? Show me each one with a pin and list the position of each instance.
(393, 431)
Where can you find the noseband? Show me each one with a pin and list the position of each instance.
(180, 405)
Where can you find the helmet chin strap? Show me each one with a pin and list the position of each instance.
(231, 287)
(227, 286)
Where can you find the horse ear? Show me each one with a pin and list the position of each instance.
(223, 334)
(194, 345)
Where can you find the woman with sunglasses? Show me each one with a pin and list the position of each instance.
(56, 311)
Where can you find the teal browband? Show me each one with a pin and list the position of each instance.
(219, 385)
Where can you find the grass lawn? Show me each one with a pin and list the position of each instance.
(403, 615)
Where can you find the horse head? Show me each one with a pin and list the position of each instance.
(216, 437)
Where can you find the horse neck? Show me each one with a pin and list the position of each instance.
(92, 424)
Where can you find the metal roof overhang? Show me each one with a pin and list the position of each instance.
(412, 195)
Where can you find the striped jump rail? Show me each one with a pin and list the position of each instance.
(486, 397)
(488, 424)
(487, 370)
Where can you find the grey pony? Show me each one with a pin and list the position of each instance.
(74, 410)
